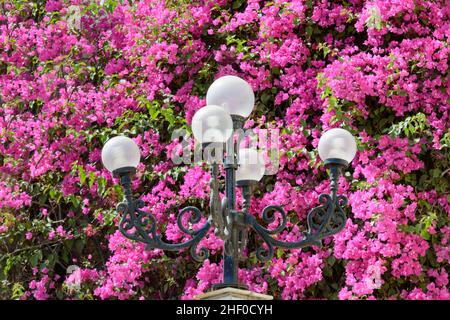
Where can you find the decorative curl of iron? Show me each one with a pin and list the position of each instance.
(323, 221)
(139, 225)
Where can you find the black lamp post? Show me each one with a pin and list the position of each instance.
(230, 101)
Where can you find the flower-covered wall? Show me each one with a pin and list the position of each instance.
(74, 73)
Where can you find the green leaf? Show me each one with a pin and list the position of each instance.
(265, 97)
(51, 260)
(276, 71)
(331, 260)
(328, 272)
(81, 174)
(237, 4)
(91, 179)
(374, 20)
(79, 246)
(17, 291)
(279, 253)
(101, 183)
(36, 258)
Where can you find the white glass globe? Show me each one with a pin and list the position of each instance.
(120, 152)
(212, 124)
(251, 166)
(233, 94)
(337, 143)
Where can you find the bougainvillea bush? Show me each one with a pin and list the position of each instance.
(74, 73)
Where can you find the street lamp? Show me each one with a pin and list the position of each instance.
(230, 101)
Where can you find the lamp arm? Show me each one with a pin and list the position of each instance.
(323, 221)
(139, 225)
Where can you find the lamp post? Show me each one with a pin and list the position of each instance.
(230, 101)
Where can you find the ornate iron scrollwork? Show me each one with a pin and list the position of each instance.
(141, 226)
(323, 221)
(232, 225)
(327, 219)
